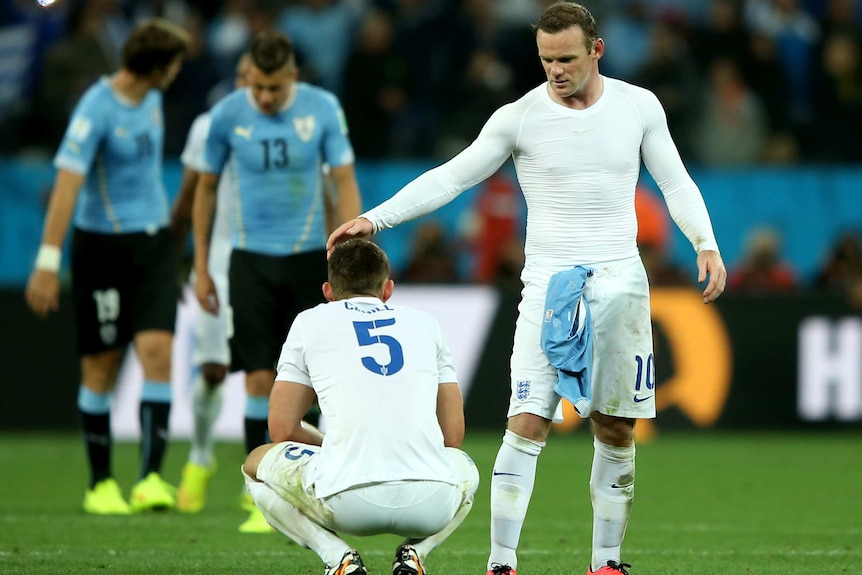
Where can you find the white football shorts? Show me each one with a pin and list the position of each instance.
(213, 332)
(623, 371)
(413, 509)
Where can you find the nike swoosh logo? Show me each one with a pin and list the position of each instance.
(640, 399)
(504, 473)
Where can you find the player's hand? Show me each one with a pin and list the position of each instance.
(205, 291)
(356, 228)
(709, 264)
(43, 292)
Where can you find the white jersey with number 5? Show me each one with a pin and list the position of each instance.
(375, 368)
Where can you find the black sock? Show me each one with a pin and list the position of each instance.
(154, 435)
(97, 440)
(256, 433)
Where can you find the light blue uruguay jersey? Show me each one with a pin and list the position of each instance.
(118, 147)
(278, 205)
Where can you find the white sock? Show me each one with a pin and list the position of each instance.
(206, 406)
(288, 520)
(511, 489)
(612, 489)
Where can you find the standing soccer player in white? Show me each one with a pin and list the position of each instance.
(577, 142)
(364, 360)
(211, 351)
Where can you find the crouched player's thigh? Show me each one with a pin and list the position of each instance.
(413, 509)
(283, 468)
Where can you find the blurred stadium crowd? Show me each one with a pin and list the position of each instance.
(744, 82)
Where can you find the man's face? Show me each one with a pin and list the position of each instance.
(566, 60)
(271, 91)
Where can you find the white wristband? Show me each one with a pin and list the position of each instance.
(48, 258)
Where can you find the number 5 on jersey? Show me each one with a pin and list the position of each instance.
(365, 337)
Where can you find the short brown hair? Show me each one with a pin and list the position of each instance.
(564, 15)
(271, 51)
(153, 45)
(357, 267)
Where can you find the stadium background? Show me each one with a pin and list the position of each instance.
(764, 98)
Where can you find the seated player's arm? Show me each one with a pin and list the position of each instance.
(450, 413)
(288, 404)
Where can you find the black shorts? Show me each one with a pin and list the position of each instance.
(123, 284)
(266, 294)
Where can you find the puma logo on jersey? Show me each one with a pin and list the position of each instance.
(244, 132)
(121, 132)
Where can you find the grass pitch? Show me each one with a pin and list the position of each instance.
(705, 504)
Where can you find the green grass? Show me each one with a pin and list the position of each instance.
(706, 504)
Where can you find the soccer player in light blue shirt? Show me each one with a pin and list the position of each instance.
(123, 272)
(273, 139)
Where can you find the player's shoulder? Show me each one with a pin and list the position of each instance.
(235, 102)
(98, 95)
(636, 94)
(315, 95)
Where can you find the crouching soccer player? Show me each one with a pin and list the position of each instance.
(364, 360)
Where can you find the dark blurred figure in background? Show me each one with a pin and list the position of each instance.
(671, 74)
(375, 86)
(189, 94)
(763, 269)
(842, 271)
(90, 50)
(731, 129)
(432, 258)
(838, 101)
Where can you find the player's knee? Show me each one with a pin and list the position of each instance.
(213, 373)
(522, 444)
(530, 426)
(252, 461)
(616, 431)
(468, 473)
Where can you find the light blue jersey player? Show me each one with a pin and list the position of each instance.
(273, 138)
(109, 172)
(117, 144)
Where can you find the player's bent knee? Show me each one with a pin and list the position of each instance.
(249, 467)
(467, 470)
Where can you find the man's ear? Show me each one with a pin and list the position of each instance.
(598, 48)
(387, 290)
(327, 291)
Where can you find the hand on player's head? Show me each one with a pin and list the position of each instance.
(356, 228)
